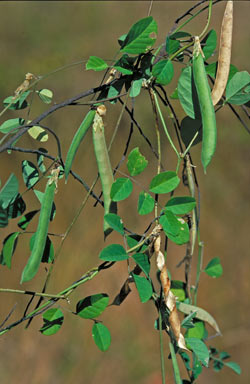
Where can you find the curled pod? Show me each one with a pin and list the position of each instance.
(81, 132)
(35, 258)
(224, 54)
(103, 164)
(209, 131)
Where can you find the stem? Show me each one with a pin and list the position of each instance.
(157, 131)
(177, 375)
(199, 266)
(65, 293)
(164, 126)
(161, 349)
(208, 19)
(32, 293)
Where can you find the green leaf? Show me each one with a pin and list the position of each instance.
(146, 203)
(9, 246)
(19, 103)
(178, 289)
(38, 133)
(136, 87)
(142, 260)
(164, 182)
(30, 173)
(52, 321)
(198, 331)
(121, 189)
(115, 222)
(183, 235)
(3, 217)
(16, 207)
(133, 240)
(141, 36)
(172, 45)
(125, 64)
(187, 94)
(170, 223)
(199, 348)
(187, 322)
(40, 159)
(144, 287)
(179, 35)
(9, 191)
(189, 127)
(101, 336)
(236, 85)
(214, 268)
(40, 195)
(48, 253)
(210, 41)
(201, 314)
(96, 63)
(11, 125)
(181, 205)
(211, 70)
(115, 89)
(163, 71)
(136, 162)
(174, 95)
(234, 366)
(113, 252)
(45, 95)
(92, 306)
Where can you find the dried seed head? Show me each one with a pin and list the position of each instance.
(101, 110)
(29, 76)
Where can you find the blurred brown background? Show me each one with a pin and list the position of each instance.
(39, 37)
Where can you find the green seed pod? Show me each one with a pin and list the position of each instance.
(81, 132)
(35, 258)
(104, 166)
(209, 132)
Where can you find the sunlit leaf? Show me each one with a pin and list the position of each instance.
(142, 260)
(45, 95)
(164, 182)
(198, 331)
(136, 162)
(121, 189)
(181, 205)
(52, 321)
(11, 125)
(140, 37)
(144, 287)
(96, 63)
(115, 222)
(170, 223)
(92, 306)
(208, 44)
(214, 268)
(38, 133)
(146, 203)
(163, 71)
(101, 336)
(113, 252)
(9, 246)
(199, 348)
(9, 191)
(30, 173)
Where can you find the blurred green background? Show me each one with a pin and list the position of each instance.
(39, 37)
